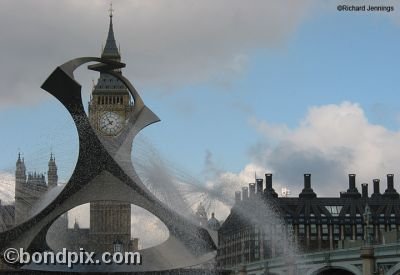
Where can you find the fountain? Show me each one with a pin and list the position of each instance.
(104, 171)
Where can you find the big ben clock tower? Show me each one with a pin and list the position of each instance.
(109, 108)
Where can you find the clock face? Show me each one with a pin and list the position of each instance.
(110, 123)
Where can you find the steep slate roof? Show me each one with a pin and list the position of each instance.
(110, 49)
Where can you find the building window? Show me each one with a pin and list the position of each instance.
(393, 219)
(381, 218)
(313, 229)
(336, 232)
(301, 229)
(359, 229)
(348, 232)
(313, 232)
(325, 229)
(118, 246)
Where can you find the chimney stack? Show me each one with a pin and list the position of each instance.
(252, 189)
(352, 192)
(237, 196)
(390, 191)
(376, 189)
(307, 181)
(259, 186)
(307, 191)
(268, 181)
(390, 185)
(245, 193)
(352, 182)
(269, 191)
(364, 188)
(376, 186)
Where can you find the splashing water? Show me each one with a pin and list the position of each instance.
(173, 186)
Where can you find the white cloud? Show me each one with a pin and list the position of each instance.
(148, 228)
(80, 214)
(165, 43)
(330, 142)
(224, 185)
(7, 187)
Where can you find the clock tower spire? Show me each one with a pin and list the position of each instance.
(111, 102)
(111, 50)
(109, 108)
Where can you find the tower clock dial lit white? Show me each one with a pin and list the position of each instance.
(110, 123)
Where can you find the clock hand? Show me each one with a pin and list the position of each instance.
(109, 123)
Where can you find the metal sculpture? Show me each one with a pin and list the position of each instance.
(104, 171)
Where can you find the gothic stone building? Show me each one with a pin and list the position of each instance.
(312, 222)
(29, 188)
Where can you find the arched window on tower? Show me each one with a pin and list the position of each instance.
(118, 246)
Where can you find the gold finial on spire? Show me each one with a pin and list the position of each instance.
(111, 10)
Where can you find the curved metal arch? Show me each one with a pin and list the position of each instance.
(394, 270)
(101, 162)
(347, 267)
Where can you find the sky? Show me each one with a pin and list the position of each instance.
(282, 86)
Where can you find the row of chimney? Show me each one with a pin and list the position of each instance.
(352, 192)
(245, 194)
(307, 192)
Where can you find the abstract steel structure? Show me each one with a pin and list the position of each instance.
(104, 171)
